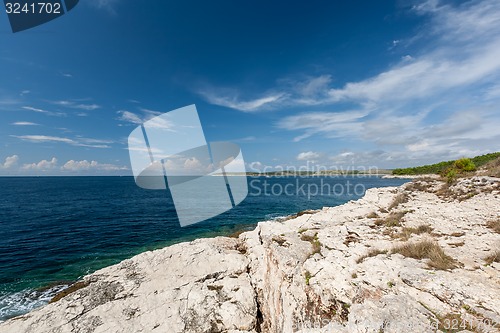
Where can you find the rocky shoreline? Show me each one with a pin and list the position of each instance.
(417, 258)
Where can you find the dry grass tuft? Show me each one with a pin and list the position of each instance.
(494, 225)
(303, 212)
(372, 215)
(492, 168)
(422, 185)
(427, 249)
(279, 240)
(391, 220)
(371, 253)
(406, 233)
(494, 257)
(316, 244)
(398, 200)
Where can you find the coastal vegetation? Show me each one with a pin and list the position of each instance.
(495, 225)
(316, 244)
(406, 232)
(371, 253)
(427, 249)
(450, 168)
(494, 257)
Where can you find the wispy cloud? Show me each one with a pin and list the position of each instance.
(48, 113)
(79, 141)
(76, 105)
(25, 123)
(233, 101)
(150, 112)
(129, 117)
(148, 115)
(330, 124)
(43, 138)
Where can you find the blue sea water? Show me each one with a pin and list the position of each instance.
(54, 230)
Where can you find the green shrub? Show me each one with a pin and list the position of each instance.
(465, 164)
(308, 277)
(451, 175)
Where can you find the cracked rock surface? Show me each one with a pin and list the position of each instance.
(333, 270)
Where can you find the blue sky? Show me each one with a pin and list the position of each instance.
(334, 83)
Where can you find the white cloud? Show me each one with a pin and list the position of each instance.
(85, 165)
(314, 86)
(73, 166)
(331, 124)
(150, 116)
(78, 165)
(179, 165)
(129, 117)
(49, 113)
(75, 105)
(231, 100)
(30, 108)
(10, 161)
(79, 141)
(407, 58)
(25, 123)
(43, 165)
(310, 156)
(151, 113)
(193, 164)
(44, 138)
(428, 76)
(162, 123)
(309, 91)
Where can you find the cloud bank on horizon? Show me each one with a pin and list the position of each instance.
(421, 86)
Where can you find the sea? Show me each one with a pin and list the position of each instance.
(54, 230)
